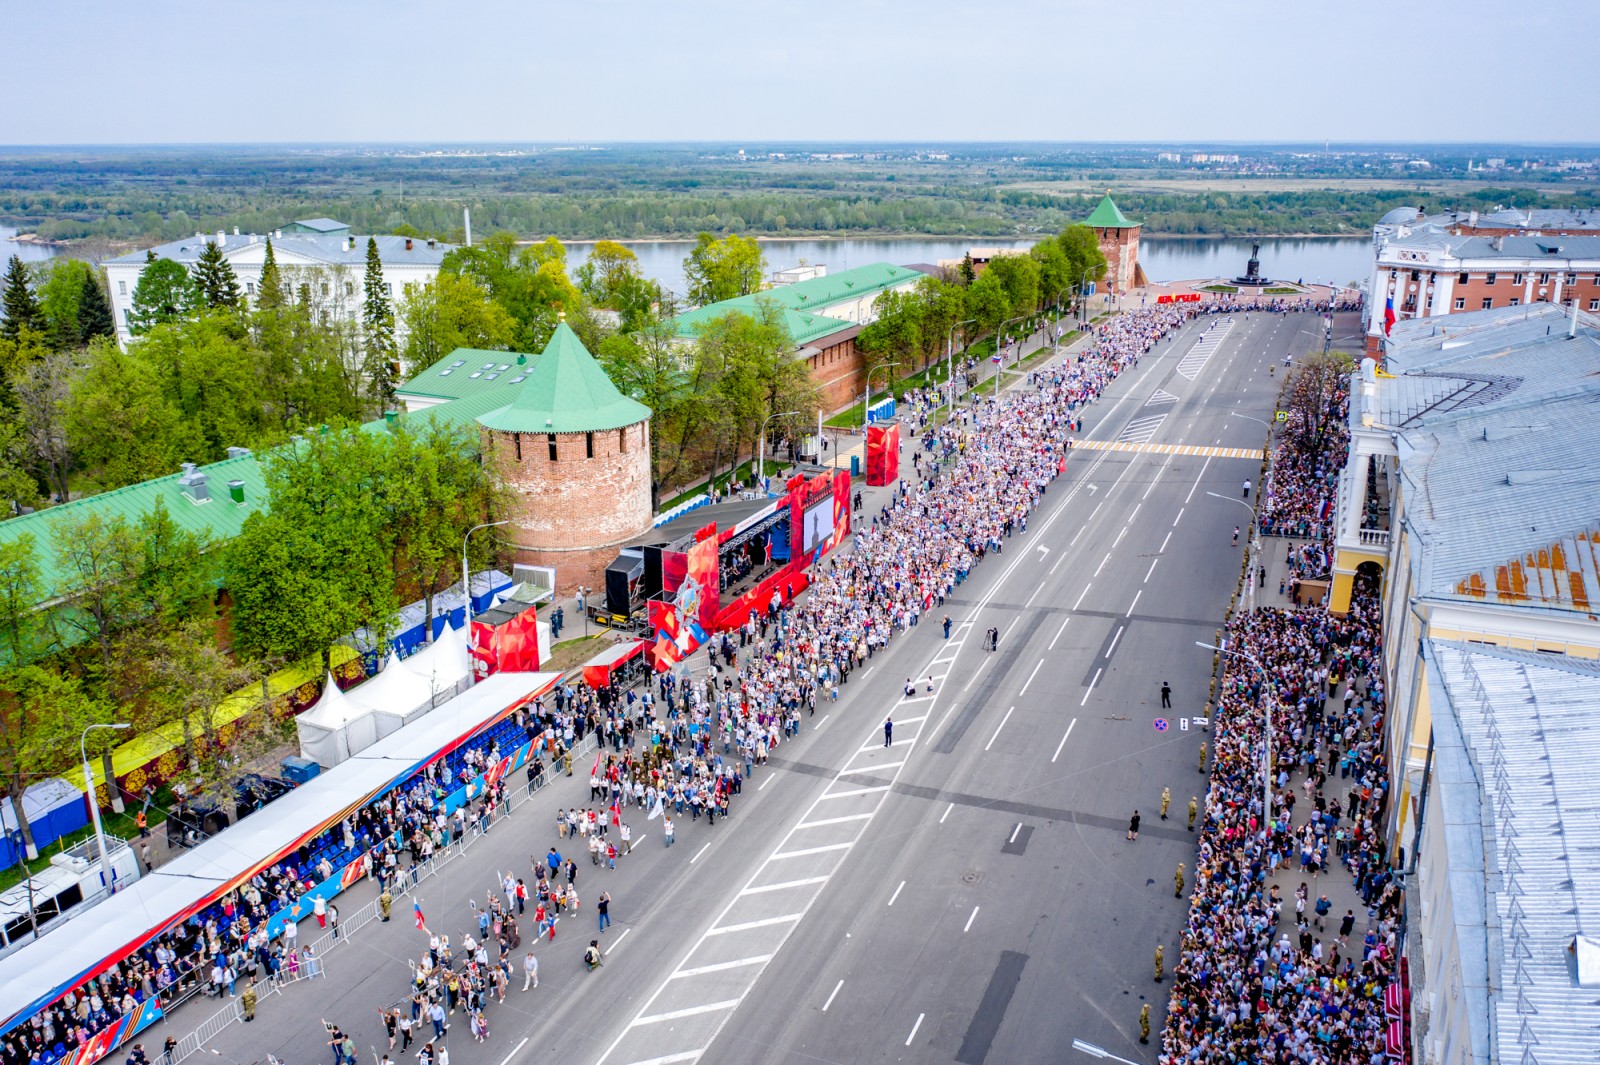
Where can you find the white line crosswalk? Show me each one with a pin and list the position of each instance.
(1161, 396)
(1192, 363)
(1140, 430)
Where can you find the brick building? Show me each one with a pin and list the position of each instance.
(1434, 265)
(574, 453)
(1119, 243)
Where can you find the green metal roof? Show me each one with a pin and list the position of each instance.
(803, 328)
(804, 304)
(567, 391)
(469, 372)
(1108, 216)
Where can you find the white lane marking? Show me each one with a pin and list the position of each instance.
(1074, 541)
(516, 1048)
(1196, 484)
(1165, 542)
(784, 886)
(1081, 596)
(1015, 832)
(1002, 725)
(1102, 565)
(914, 1028)
(870, 768)
(699, 852)
(1029, 681)
(824, 721)
(1115, 637)
(897, 892)
(1090, 688)
(853, 792)
(764, 783)
(672, 1059)
(833, 821)
(1178, 518)
(974, 917)
(692, 1011)
(1156, 479)
(1133, 604)
(1135, 515)
(835, 991)
(745, 926)
(946, 813)
(1059, 559)
(975, 673)
(616, 942)
(721, 966)
(1151, 570)
(1117, 541)
(805, 852)
(1057, 636)
(1063, 742)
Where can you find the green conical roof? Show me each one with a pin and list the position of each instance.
(1108, 216)
(566, 392)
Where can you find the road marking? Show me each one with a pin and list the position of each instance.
(1059, 559)
(1178, 518)
(1029, 681)
(1171, 449)
(996, 735)
(835, 991)
(807, 851)
(1165, 542)
(1146, 580)
(1196, 484)
(1081, 596)
(824, 721)
(975, 674)
(1117, 636)
(870, 768)
(1063, 742)
(1015, 832)
(896, 892)
(1133, 604)
(1140, 430)
(745, 926)
(833, 821)
(721, 966)
(854, 792)
(787, 884)
(1114, 544)
(974, 916)
(699, 852)
(1090, 688)
(692, 1011)
(1102, 565)
(764, 783)
(1074, 541)
(914, 1028)
(1135, 515)
(946, 813)
(614, 944)
(671, 1059)
(1156, 479)
(1059, 631)
(516, 1048)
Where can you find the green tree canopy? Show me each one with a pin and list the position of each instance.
(449, 312)
(165, 293)
(719, 270)
(214, 280)
(380, 364)
(18, 301)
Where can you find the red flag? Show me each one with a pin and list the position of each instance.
(616, 814)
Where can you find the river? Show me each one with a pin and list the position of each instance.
(1340, 260)
(28, 252)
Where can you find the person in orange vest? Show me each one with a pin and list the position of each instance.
(144, 825)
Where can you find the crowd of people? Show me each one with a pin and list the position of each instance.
(1303, 480)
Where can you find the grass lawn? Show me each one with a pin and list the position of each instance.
(1282, 290)
(122, 825)
(721, 481)
(1219, 288)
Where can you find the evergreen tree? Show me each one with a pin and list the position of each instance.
(95, 317)
(165, 293)
(20, 304)
(377, 320)
(215, 280)
(270, 293)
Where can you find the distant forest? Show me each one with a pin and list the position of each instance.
(138, 195)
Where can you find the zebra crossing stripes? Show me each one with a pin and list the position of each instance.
(1171, 449)
(1140, 430)
(1204, 348)
(1161, 396)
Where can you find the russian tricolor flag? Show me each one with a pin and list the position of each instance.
(417, 906)
(1388, 315)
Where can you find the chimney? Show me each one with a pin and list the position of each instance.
(236, 231)
(391, 416)
(236, 492)
(222, 238)
(238, 452)
(193, 483)
(431, 242)
(408, 244)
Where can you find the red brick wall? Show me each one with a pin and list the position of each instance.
(837, 372)
(1121, 249)
(574, 512)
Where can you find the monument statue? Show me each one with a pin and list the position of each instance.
(1252, 269)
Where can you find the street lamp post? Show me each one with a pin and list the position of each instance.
(999, 343)
(761, 462)
(1266, 753)
(949, 359)
(1098, 1052)
(1252, 545)
(466, 582)
(1055, 341)
(866, 400)
(94, 802)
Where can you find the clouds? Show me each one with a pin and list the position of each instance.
(603, 70)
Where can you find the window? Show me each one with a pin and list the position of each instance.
(1544, 279)
(551, 437)
(516, 442)
(1594, 305)
(622, 441)
(1488, 279)
(1572, 279)
(326, 289)
(250, 288)
(1487, 303)
(1464, 278)
(127, 317)
(1518, 278)
(122, 288)
(388, 289)
(349, 288)
(1515, 302)
(588, 445)
(1461, 304)
(1416, 275)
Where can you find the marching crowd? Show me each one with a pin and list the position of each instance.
(1299, 495)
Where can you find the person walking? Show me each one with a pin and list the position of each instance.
(1246, 488)
(247, 1001)
(1133, 827)
(1161, 962)
(947, 624)
(1166, 801)
(1166, 696)
(1144, 1023)
(530, 971)
(1236, 536)
(1202, 768)
(1194, 808)
(888, 731)
(603, 907)
(1177, 882)
(667, 830)
(386, 902)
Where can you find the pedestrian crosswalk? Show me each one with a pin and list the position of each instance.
(1161, 396)
(1140, 430)
(1195, 361)
(1170, 449)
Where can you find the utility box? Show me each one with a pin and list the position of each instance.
(299, 770)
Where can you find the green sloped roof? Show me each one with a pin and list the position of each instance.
(805, 303)
(468, 372)
(567, 391)
(803, 328)
(1108, 216)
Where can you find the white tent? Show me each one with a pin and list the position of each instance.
(445, 664)
(335, 727)
(395, 696)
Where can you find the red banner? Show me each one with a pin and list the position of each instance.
(704, 572)
(1180, 297)
(883, 455)
(513, 647)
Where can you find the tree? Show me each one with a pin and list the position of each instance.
(382, 366)
(43, 387)
(165, 293)
(95, 316)
(20, 304)
(757, 374)
(17, 487)
(215, 281)
(1082, 248)
(895, 334)
(723, 269)
(650, 366)
(1019, 276)
(116, 420)
(211, 379)
(45, 714)
(59, 295)
(608, 270)
(987, 302)
(271, 292)
(450, 312)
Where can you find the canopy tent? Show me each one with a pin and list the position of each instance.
(40, 972)
(597, 671)
(444, 665)
(395, 697)
(53, 807)
(335, 727)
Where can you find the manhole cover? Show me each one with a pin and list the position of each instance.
(971, 878)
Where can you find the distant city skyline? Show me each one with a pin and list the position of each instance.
(492, 71)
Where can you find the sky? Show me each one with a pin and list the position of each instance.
(220, 71)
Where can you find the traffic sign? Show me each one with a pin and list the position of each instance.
(1161, 724)
(1281, 416)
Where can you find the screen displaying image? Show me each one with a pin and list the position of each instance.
(819, 525)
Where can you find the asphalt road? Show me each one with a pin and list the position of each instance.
(964, 895)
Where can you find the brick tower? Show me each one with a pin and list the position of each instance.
(574, 454)
(1119, 243)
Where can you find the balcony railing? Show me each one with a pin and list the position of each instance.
(1375, 538)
